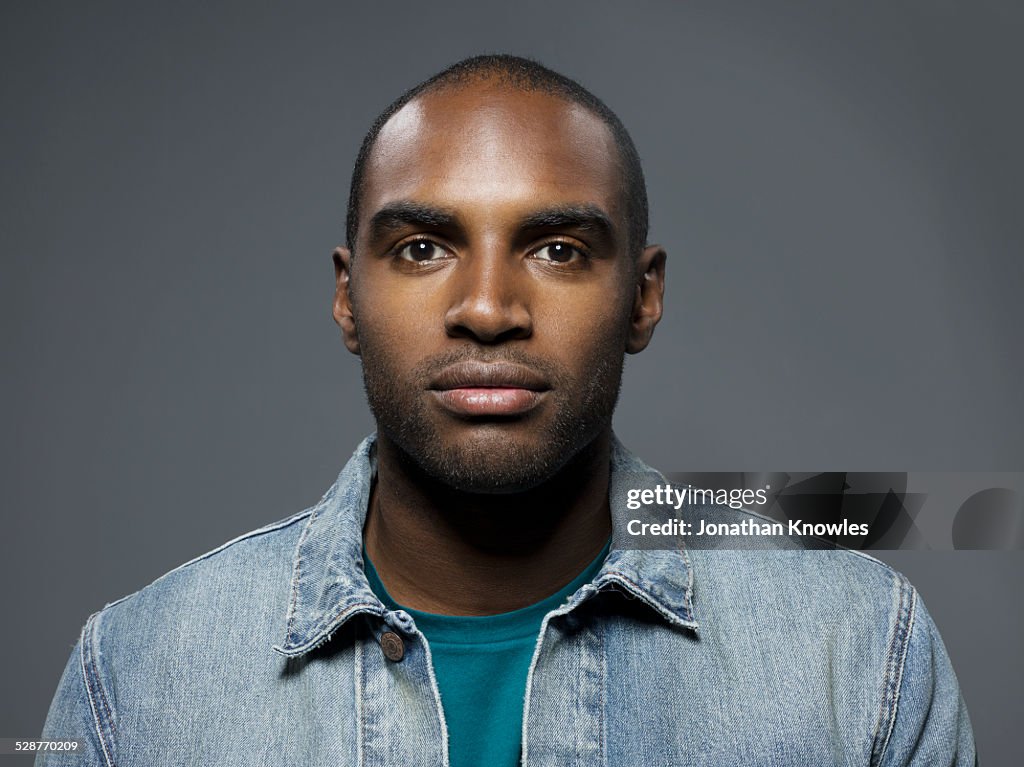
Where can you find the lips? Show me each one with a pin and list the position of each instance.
(479, 389)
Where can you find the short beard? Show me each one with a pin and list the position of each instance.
(493, 463)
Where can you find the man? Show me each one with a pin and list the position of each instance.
(464, 593)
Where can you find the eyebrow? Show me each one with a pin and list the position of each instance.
(403, 213)
(588, 218)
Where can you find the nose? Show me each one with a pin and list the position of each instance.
(490, 302)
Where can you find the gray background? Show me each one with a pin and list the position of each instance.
(838, 186)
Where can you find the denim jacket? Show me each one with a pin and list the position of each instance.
(268, 651)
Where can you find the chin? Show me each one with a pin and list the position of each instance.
(493, 462)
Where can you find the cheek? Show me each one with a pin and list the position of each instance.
(587, 326)
(395, 323)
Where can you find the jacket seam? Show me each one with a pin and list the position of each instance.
(895, 663)
(102, 711)
(602, 731)
(527, 697)
(360, 694)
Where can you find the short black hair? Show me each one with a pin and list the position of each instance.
(523, 74)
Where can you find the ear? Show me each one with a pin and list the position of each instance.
(342, 309)
(647, 298)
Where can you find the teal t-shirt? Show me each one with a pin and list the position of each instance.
(481, 664)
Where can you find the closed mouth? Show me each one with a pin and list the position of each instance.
(488, 375)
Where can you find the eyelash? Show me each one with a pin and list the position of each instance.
(581, 252)
(398, 249)
(584, 255)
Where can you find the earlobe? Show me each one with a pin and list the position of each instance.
(342, 309)
(648, 295)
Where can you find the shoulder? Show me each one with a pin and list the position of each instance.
(240, 586)
(229, 565)
(817, 582)
(850, 622)
(844, 619)
(168, 646)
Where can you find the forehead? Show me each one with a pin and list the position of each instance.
(485, 148)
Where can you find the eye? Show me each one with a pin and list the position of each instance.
(420, 251)
(559, 253)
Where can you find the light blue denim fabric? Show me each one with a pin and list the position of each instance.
(266, 651)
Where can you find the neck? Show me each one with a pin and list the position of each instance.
(443, 551)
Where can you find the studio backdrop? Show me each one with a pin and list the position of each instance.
(837, 186)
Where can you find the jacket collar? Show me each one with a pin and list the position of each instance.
(329, 586)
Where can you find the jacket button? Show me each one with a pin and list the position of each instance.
(392, 646)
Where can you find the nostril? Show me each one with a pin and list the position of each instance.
(489, 322)
(489, 299)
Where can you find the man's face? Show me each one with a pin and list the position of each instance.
(492, 294)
